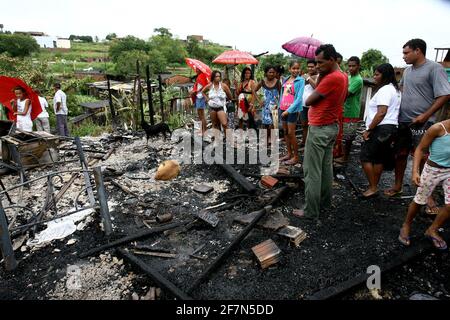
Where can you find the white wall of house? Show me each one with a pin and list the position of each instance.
(63, 43)
(46, 41)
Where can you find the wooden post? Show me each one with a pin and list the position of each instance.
(150, 97)
(111, 106)
(161, 102)
(141, 105)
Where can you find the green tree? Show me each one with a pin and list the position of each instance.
(371, 59)
(35, 74)
(129, 43)
(18, 45)
(172, 49)
(111, 36)
(87, 39)
(164, 32)
(126, 62)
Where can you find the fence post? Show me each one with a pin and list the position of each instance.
(161, 101)
(150, 97)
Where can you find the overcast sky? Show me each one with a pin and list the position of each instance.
(250, 25)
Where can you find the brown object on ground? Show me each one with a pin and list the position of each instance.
(273, 221)
(168, 170)
(35, 148)
(267, 253)
(294, 234)
(269, 182)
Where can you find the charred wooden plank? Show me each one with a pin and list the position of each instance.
(235, 243)
(154, 275)
(140, 235)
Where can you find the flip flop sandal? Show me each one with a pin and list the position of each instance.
(430, 210)
(437, 243)
(373, 195)
(392, 193)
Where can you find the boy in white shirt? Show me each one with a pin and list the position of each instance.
(42, 121)
(61, 111)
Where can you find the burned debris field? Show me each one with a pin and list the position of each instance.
(197, 236)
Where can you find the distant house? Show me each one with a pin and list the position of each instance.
(199, 38)
(47, 42)
(31, 33)
(63, 43)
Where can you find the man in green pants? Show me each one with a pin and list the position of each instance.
(325, 107)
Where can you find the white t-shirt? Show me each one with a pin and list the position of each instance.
(386, 96)
(44, 106)
(60, 97)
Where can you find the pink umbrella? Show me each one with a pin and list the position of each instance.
(235, 57)
(198, 65)
(304, 47)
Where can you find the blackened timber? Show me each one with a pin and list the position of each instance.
(154, 275)
(161, 100)
(140, 235)
(410, 253)
(220, 259)
(150, 97)
(111, 105)
(237, 177)
(141, 103)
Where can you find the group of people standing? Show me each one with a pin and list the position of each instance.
(22, 107)
(399, 120)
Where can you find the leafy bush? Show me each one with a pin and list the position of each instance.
(17, 45)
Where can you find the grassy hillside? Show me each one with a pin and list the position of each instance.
(65, 62)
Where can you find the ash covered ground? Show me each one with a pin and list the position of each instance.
(352, 236)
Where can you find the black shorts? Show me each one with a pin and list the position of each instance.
(409, 137)
(379, 148)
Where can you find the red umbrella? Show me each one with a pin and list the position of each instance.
(235, 57)
(7, 86)
(198, 65)
(304, 47)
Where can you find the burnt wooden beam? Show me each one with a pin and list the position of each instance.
(154, 275)
(422, 247)
(137, 236)
(235, 243)
(240, 179)
(150, 96)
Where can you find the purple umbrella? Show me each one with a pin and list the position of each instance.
(304, 47)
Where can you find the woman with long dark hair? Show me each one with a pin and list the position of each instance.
(381, 127)
(218, 92)
(271, 91)
(246, 96)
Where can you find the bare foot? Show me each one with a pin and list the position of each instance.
(438, 242)
(404, 235)
(370, 193)
(286, 157)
